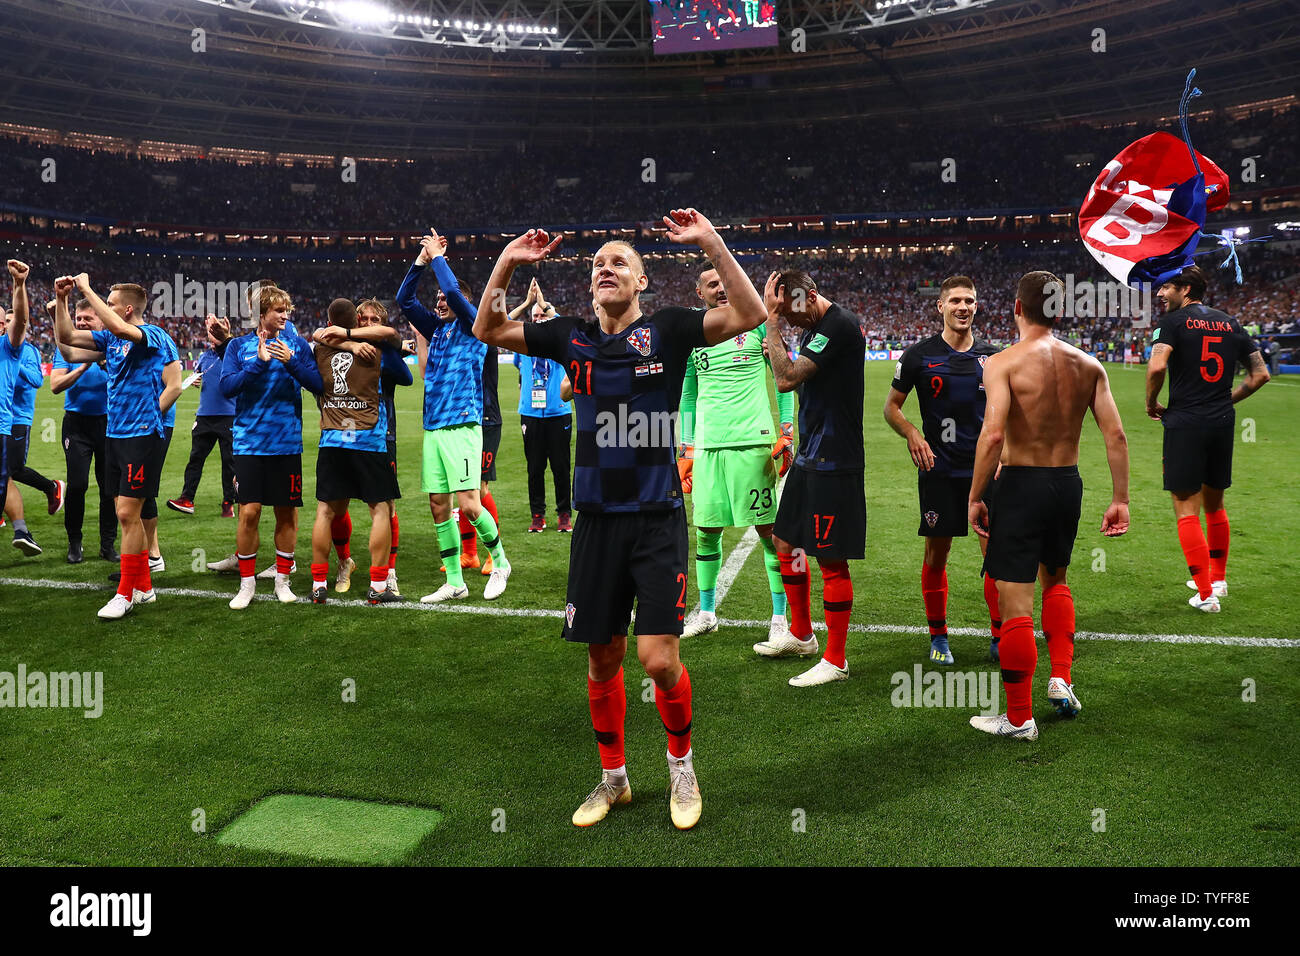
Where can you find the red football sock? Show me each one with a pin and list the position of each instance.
(467, 545)
(675, 711)
(991, 599)
(934, 591)
(1197, 552)
(142, 580)
(1058, 628)
(126, 567)
(491, 505)
(319, 572)
(378, 575)
(1018, 655)
(608, 701)
(341, 534)
(247, 565)
(283, 561)
(1216, 531)
(798, 594)
(392, 551)
(837, 605)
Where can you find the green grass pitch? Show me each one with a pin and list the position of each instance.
(483, 718)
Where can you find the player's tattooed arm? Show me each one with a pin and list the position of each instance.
(1156, 378)
(744, 309)
(492, 325)
(1256, 377)
(988, 450)
(788, 375)
(1106, 414)
(113, 322)
(920, 450)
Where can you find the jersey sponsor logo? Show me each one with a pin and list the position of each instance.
(640, 341)
(931, 518)
(585, 345)
(568, 614)
(933, 364)
(898, 369)
(816, 343)
(654, 368)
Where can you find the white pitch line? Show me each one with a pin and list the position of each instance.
(492, 610)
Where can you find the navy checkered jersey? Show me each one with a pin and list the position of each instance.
(950, 387)
(626, 388)
(830, 403)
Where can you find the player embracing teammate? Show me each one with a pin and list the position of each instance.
(629, 542)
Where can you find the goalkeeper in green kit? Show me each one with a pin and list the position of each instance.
(731, 452)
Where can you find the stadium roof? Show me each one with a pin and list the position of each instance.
(131, 68)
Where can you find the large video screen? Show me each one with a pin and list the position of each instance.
(692, 26)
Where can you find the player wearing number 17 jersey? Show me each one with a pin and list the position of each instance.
(728, 462)
(1200, 347)
(947, 371)
(823, 512)
(629, 542)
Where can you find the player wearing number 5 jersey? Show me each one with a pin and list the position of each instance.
(823, 511)
(453, 416)
(629, 543)
(265, 372)
(1200, 347)
(727, 464)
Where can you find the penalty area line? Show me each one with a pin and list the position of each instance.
(490, 610)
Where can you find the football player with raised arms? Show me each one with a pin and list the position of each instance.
(629, 542)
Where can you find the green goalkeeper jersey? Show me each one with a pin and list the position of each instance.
(725, 401)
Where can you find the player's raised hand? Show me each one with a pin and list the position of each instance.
(977, 512)
(82, 282)
(63, 287)
(919, 449)
(18, 270)
(771, 296)
(685, 465)
(688, 226)
(533, 246)
(1115, 522)
(263, 353)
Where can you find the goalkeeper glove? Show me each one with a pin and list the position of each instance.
(684, 465)
(784, 449)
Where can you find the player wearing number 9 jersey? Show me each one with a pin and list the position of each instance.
(629, 542)
(823, 511)
(1200, 347)
(947, 371)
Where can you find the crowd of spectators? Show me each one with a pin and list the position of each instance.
(850, 166)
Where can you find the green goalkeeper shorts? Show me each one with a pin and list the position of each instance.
(734, 487)
(452, 459)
